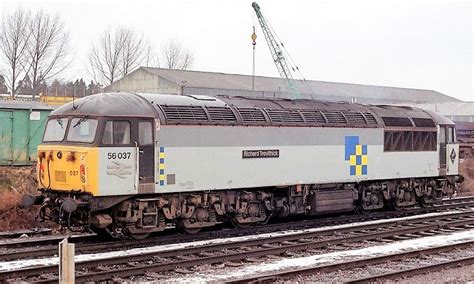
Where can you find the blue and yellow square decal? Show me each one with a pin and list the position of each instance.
(356, 154)
(161, 166)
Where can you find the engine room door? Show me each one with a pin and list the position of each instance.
(146, 155)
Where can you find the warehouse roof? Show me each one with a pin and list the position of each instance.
(16, 104)
(319, 89)
(450, 108)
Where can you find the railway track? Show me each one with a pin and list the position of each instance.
(359, 263)
(91, 244)
(418, 270)
(19, 233)
(162, 259)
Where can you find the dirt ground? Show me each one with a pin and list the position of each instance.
(14, 182)
(466, 168)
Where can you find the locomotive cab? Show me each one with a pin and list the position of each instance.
(97, 155)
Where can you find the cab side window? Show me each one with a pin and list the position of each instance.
(451, 135)
(116, 133)
(145, 133)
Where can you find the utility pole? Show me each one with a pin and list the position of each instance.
(254, 38)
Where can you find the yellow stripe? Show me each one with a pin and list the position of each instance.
(358, 170)
(358, 149)
(162, 177)
(162, 166)
(162, 155)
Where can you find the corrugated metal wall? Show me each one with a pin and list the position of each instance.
(21, 130)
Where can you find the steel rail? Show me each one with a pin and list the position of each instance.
(415, 271)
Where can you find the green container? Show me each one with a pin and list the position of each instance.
(21, 130)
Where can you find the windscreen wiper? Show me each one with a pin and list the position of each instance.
(80, 121)
(60, 122)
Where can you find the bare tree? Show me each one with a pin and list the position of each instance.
(117, 53)
(149, 58)
(14, 37)
(174, 56)
(47, 49)
(133, 52)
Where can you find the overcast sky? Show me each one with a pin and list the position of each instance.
(405, 43)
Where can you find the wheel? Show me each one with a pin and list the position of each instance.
(236, 224)
(140, 236)
(180, 225)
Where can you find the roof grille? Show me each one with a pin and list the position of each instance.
(313, 116)
(188, 113)
(335, 117)
(423, 122)
(355, 118)
(397, 121)
(370, 118)
(221, 114)
(284, 116)
(251, 115)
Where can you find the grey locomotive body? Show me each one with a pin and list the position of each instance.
(197, 161)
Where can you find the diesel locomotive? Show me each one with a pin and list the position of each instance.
(130, 164)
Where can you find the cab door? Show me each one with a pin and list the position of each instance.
(452, 152)
(146, 155)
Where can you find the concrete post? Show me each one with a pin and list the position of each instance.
(66, 263)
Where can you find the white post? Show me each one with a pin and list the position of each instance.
(66, 262)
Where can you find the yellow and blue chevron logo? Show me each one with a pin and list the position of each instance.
(161, 166)
(356, 154)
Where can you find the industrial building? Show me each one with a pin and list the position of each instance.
(456, 111)
(170, 81)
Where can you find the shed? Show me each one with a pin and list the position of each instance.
(22, 125)
(171, 81)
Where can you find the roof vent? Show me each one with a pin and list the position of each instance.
(251, 115)
(313, 116)
(221, 114)
(335, 117)
(370, 118)
(397, 121)
(184, 113)
(355, 118)
(423, 122)
(284, 116)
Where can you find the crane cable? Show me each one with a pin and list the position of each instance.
(292, 63)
